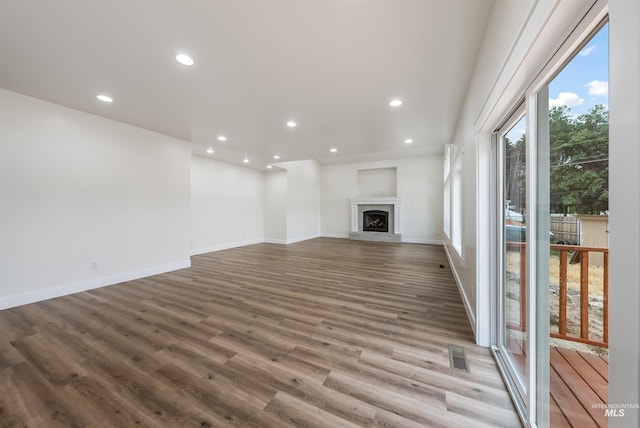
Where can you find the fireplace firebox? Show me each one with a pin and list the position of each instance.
(375, 221)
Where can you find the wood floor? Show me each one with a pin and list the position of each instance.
(322, 333)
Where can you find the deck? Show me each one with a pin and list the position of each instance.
(578, 380)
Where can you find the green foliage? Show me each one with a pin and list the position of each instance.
(515, 169)
(579, 160)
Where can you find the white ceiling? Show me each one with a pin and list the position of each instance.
(331, 65)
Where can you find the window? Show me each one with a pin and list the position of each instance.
(456, 204)
(447, 192)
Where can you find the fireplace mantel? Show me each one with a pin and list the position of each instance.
(396, 202)
(377, 200)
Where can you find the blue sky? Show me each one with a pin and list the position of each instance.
(584, 82)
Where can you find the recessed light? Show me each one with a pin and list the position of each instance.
(408, 141)
(222, 138)
(333, 150)
(276, 157)
(269, 166)
(245, 160)
(104, 98)
(210, 150)
(184, 59)
(395, 102)
(291, 124)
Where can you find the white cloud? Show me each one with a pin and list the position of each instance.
(598, 88)
(519, 132)
(587, 50)
(568, 99)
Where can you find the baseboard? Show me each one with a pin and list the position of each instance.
(204, 250)
(76, 287)
(228, 246)
(303, 238)
(276, 241)
(422, 241)
(407, 240)
(463, 294)
(336, 235)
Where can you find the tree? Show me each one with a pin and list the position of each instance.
(515, 172)
(579, 160)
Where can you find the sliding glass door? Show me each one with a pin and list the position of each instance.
(551, 163)
(512, 344)
(521, 342)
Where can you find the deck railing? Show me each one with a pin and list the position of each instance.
(581, 255)
(568, 254)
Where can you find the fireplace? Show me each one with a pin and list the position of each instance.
(375, 221)
(376, 218)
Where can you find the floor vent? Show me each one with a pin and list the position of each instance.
(458, 358)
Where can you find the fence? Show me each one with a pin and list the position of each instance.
(565, 229)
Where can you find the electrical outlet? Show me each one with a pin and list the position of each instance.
(94, 265)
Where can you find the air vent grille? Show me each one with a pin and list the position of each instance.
(458, 358)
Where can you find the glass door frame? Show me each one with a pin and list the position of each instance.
(531, 397)
(532, 405)
(517, 383)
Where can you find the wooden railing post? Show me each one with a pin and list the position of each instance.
(584, 294)
(605, 299)
(583, 336)
(562, 294)
(523, 287)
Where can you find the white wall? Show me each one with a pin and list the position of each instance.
(419, 183)
(377, 182)
(275, 207)
(303, 200)
(227, 205)
(487, 93)
(420, 186)
(339, 184)
(85, 201)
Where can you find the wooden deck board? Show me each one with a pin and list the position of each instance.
(597, 383)
(575, 386)
(599, 363)
(569, 404)
(556, 417)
